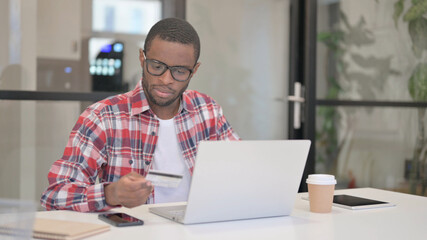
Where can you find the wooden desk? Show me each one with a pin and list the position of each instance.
(408, 220)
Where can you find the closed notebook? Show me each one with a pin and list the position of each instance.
(67, 230)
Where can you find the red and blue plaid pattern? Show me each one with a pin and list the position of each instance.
(117, 136)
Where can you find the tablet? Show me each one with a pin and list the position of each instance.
(356, 203)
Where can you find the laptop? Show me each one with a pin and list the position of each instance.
(236, 180)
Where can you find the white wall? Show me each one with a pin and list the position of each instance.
(54, 122)
(4, 37)
(17, 72)
(59, 29)
(244, 56)
(32, 134)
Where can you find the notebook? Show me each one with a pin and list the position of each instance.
(65, 230)
(56, 229)
(235, 180)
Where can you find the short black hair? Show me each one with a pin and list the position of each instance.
(174, 30)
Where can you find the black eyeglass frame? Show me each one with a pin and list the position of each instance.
(170, 68)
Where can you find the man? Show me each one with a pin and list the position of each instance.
(158, 126)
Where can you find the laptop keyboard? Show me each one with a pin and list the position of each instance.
(176, 211)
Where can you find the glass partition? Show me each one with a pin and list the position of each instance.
(372, 53)
(244, 62)
(363, 150)
(74, 44)
(33, 135)
(368, 50)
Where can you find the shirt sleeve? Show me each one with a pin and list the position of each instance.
(224, 129)
(72, 179)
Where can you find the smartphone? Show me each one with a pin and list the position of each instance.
(120, 219)
(355, 203)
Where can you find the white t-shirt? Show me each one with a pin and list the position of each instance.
(168, 158)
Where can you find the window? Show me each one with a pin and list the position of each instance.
(125, 16)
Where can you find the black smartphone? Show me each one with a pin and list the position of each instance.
(353, 202)
(120, 219)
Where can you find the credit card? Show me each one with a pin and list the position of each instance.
(163, 179)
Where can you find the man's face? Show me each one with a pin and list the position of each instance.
(164, 91)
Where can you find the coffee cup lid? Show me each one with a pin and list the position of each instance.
(321, 179)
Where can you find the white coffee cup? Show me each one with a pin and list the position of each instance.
(321, 192)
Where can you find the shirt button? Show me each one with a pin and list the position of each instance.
(130, 162)
(96, 205)
(153, 133)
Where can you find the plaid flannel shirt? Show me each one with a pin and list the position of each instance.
(117, 136)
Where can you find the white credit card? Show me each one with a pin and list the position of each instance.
(163, 179)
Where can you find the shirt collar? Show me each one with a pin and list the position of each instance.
(139, 101)
(186, 102)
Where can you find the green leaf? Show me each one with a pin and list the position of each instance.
(398, 9)
(416, 11)
(323, 36)
(417, 84)
(418, 31)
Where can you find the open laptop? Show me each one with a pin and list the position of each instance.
(236, 180)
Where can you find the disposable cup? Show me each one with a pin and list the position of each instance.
(321, 192)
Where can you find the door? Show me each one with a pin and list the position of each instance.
(302, 81)
(245, 62)
(252, 59)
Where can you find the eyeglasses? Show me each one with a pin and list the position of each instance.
(157, 68)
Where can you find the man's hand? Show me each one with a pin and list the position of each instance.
(130, 191)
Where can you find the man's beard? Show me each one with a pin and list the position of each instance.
(151, 98)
